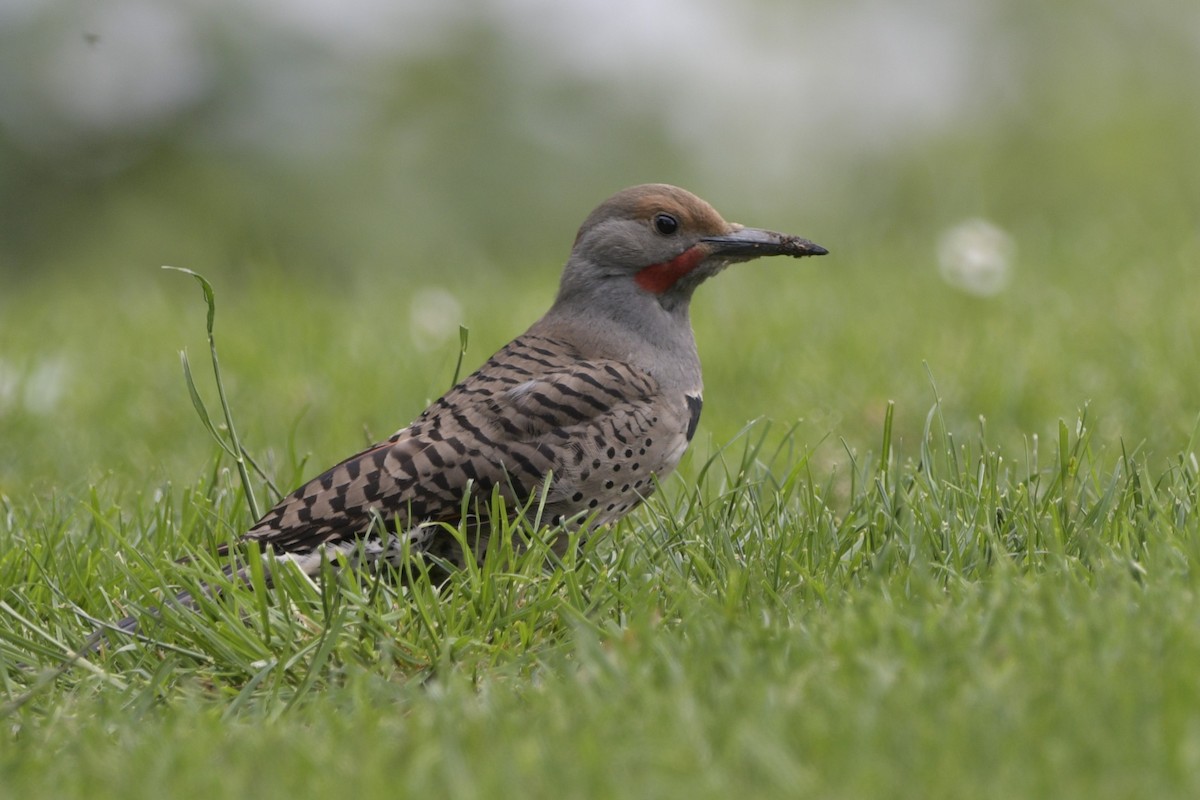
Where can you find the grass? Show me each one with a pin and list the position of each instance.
(963, 562)
(930, 622)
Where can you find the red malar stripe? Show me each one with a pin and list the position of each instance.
(659, 278)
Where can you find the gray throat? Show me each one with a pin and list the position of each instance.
(614, 319)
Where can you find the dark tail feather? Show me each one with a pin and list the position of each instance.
(130, 626)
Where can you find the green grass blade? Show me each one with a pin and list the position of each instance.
(235, 447)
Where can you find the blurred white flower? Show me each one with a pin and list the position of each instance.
(976, 257)
(45, 385)
(435, 317)
(10, 381)
(36, 389)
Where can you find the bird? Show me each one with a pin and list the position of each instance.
(584, 413)
(581, 416)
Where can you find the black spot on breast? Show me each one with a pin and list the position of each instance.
(694, 403)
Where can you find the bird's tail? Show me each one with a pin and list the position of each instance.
(357, 553)
(131, 627)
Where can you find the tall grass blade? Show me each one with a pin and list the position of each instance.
(235, 446)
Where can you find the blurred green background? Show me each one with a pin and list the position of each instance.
(1010, 191)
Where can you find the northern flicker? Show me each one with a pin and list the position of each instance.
(585, 410)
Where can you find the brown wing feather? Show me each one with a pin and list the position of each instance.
(519, 417)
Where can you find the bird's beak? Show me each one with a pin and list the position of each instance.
(742, 243)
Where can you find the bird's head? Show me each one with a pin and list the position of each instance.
(665, 242)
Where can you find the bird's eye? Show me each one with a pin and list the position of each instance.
(665, 224)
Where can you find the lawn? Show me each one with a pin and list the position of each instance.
(914, 599)
(932, 539)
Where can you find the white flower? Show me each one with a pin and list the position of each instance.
(976, 257)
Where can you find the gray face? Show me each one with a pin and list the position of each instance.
(668, 241)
